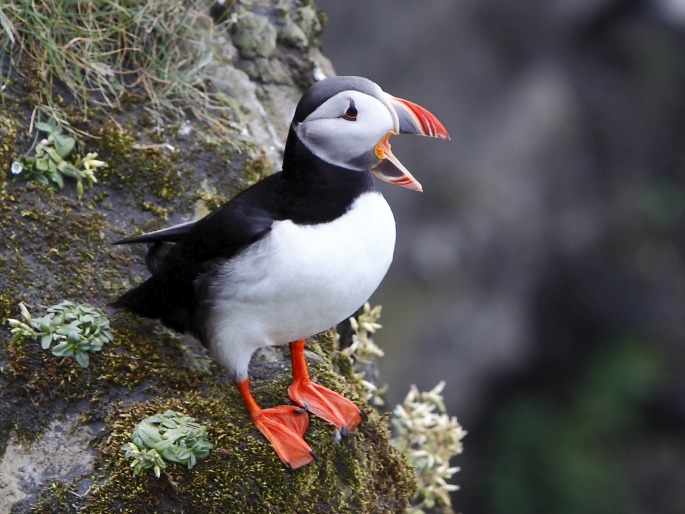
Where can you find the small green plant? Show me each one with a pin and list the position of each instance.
(76, 330)
(171, 436)
(49, 164)
(429, 438)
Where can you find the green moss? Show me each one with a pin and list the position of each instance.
(65, 244)
(15, 271)
(135, 357)
(255, 169)
(147, 170)
(243, 474)
(207, 202)
(160, 212)
(117, 143)
(157, 178)
(54, 499)
(8, 152)
(61, 240)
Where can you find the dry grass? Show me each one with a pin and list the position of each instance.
(104, 52)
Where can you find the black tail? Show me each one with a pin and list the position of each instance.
(155, 299)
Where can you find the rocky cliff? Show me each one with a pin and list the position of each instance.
(175, 146)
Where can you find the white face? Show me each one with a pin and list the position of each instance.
(345, 129)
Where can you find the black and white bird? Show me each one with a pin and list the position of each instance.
(292, 255)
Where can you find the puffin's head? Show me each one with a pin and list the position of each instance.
(348, 121)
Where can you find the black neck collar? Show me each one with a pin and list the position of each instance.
(315, 191)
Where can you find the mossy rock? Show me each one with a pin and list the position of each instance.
(54, 247)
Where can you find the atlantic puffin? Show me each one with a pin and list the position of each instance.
(292, 255)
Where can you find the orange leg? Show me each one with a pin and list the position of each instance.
(283, 426)
(320, 401)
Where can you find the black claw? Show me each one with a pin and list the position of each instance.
(288, 465)
(305, 406)
(311, 452)
(344, 432)
(299, 410)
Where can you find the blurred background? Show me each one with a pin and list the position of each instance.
(542, 271)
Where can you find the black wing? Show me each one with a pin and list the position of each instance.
(181, 253)
(169, 235)
(222, 233)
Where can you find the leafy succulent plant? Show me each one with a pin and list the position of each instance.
(49, 165)
(167, 436)
(76, 330)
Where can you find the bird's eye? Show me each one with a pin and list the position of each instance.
(350, 113)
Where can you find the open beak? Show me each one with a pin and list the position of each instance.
(409, 118)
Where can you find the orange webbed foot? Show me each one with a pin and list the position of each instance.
(317, 399)
(284, 427)
(326, 404)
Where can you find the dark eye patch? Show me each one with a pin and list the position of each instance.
(350, 113)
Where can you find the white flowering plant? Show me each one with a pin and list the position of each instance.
(424, 432)
(429, 438)
(363, 349)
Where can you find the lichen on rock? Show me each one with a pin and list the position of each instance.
(254, 36)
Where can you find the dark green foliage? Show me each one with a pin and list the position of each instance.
(561, 450)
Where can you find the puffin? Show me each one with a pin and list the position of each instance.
(292, 255)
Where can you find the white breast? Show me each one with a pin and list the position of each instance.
(298, 281)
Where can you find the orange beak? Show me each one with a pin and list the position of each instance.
(409, 118)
